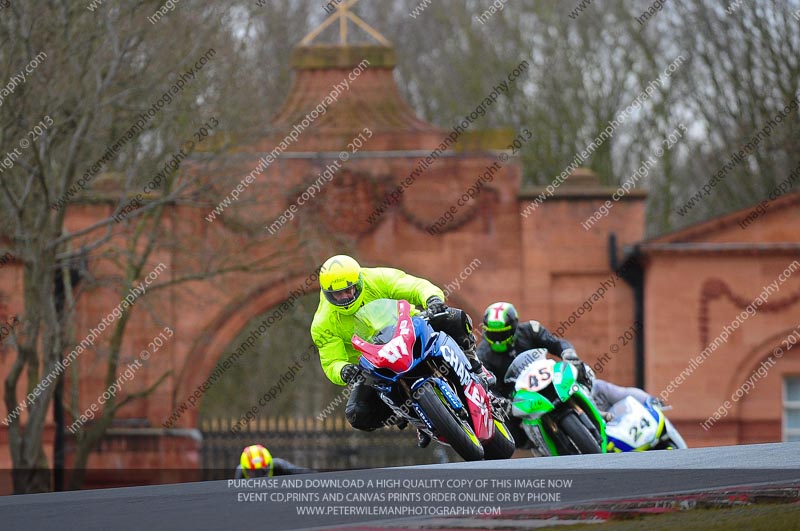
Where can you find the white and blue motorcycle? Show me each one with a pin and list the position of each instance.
(636, 427)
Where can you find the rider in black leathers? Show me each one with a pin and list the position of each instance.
(504, 338)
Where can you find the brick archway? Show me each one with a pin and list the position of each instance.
(758, 354)
(209, 347)
(759, 386)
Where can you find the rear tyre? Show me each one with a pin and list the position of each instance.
(580, 436)
(456, 432)
(501, 445)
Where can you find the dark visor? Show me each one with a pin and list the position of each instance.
(498, 336)
(345, 296)
(257, 472)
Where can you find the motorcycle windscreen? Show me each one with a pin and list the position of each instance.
(375, 322)
(633, 427)
(384, 334)
(536, 376)
(624, 407)
(521, 363)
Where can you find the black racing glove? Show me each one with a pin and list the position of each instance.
(569, 355)
(501, 404)
(351, 373)
(435, 305)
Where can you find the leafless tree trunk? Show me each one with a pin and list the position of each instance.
(89, 74)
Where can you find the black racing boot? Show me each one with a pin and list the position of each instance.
(470, 348)
(423, 439)
(485, 377)
(501, 406)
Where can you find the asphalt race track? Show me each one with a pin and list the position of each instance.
(325, 501)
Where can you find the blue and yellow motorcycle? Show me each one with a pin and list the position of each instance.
(636, 427)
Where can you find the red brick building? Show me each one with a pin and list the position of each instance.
(722, 307)
(682, 287)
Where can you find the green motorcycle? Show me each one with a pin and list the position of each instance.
(557, 412)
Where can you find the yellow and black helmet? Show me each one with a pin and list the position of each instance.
(342, 283)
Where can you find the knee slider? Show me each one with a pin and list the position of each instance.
(359, 417)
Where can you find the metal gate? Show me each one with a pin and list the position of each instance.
(330, 444)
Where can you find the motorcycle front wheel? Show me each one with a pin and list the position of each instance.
(572, 426)
(457, 432)
(501, 445)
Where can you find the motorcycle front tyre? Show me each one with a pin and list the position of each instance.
(456, 432)
(572, 426)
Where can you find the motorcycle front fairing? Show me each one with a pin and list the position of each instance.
(390, 371)
(428, 344)
(478, 403)
(542, 385)
(383, 334)
(635, 427)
